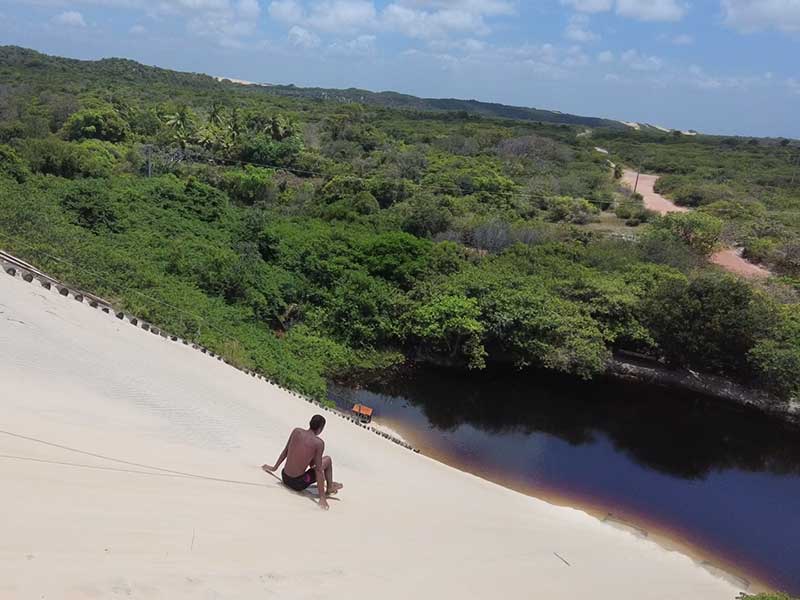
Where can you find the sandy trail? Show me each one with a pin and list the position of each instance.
(729, 258)
(652, 199)
(188, 514)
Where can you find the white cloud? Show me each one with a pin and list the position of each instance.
(341, 16)
(137, 30)
(756, 15)
(303, 37)
(249, 9)
(227, 22)
(651, 10)
(540, 60)
(362, 44)
(427, 19)
(575, 57)
(643, 10)
(287, 11)
(578, 30)
(438, 18)
(589, 6)
(468, 45)
(793, 85)
(641, 62)
(682, 39)
(605, 57)
(70, 18)
(697, 77)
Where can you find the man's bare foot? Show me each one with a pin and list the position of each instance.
(334, 488)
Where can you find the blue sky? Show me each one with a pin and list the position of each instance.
(722, 66)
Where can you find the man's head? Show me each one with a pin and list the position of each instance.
(317, 424)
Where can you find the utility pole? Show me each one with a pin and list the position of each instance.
(147, 149)
(636, 185)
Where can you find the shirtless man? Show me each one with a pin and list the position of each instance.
(305, 463)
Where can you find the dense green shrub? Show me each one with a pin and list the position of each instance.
(262, 149)
(699, 231)
(777, 358)
(11, 165)
(103, 123)
(250, 185)
(633, 215)
(708, 321)
(449, 325)
(91, 205)
(52, 156)
(569, 210)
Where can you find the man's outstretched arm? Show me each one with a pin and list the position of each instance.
(320, 472)
(281, 457)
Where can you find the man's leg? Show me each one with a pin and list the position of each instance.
(331, 486)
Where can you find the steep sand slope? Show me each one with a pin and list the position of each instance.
(79, 525)
(728, 258)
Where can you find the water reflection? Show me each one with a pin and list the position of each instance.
(679, 434)
(723, 479)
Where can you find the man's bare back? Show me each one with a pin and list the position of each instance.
(303, 448)
(305, 462)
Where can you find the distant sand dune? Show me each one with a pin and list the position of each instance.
(138, 476)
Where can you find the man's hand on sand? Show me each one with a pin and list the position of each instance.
(323, 504)
(269, 468)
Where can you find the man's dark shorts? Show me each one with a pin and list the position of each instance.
(298, 484)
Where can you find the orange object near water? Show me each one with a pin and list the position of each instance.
(363, 412)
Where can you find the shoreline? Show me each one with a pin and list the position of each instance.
(670, 539)
(713, 386)
(571, 528)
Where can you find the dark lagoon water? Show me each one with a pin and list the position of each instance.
(721, 481)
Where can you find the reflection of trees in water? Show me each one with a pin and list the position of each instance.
(675, 433)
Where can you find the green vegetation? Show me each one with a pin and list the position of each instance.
(751, 185)
(312, 240)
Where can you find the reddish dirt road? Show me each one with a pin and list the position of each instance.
(729, 259)
(652, 200)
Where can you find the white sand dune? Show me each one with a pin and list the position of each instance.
(99, 499)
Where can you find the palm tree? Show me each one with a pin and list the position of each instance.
(216, 117)
(279, 128)
(214, 138)
(181, 124)
(235, 124)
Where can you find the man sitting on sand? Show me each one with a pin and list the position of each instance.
(305, 463)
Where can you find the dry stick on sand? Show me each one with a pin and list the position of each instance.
(564, 560)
